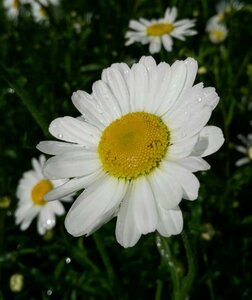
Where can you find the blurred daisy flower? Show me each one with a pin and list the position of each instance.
(216, 27)
(141, 135)
(39, 9)
(160, 32)
(217, 32)
(31, 190)
(246, 149)
(12, 8)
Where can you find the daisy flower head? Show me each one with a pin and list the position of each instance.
(217, 32)
(39, 11)
(31, 190)
(141, 135)
(246, 149)
(12, 8)
(160, 32)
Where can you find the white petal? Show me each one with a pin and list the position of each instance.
(192, 68)
(181, 149)
(72, 130)
(242, 161)
(72, 186)
(72, 164)
(241, 149)
(148, 61)
(90, 109)
(172, 91)
(127, 233)
(136, 25)
(103, 93)
(210, 140)
(54, 147)
(166, 189)
(144, 206)
(167, 42)
(170, 221)
(37, 167)
(141, 80)
(95, 206)
(116, 81)
(194, 163)
(186, 179)
(155, 45)
(170, 14)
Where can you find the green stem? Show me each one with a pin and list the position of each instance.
(166, 254)
(159, 290)
(6, 75)
(104, 257)
(188, 280)
(181, 286)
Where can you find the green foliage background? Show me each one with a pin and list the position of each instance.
(44, 65)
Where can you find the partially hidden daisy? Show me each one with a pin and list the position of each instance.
(12, 8)
(217, 32)
(31, 190)
(39, 11)
(141, 135)
(245, 149)
(160, 32)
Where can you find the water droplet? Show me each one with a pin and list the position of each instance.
(11, 91)
(49, 292)
(199, 99)
(186, 112)
(60, 136)
(68, 260)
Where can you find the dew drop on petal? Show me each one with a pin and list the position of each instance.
(60, 136)
(49, 292)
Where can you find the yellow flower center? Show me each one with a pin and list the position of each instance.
(42, 12)
(250, 152)
(16, 4)
(39, 190)
(133, 145)
(218, 35)
(159, 29)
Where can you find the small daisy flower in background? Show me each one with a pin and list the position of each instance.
(31, 191)
(160, 32)
(12, 8)
(216, 27)
(39, 11)
(141, 136)
(246, 149)
(217, 32)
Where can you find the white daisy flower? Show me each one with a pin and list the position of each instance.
(217, 32)
(157, 32)
(140, 136)
(12, 8)
(31, 190)
(38, 9)
(246, 149)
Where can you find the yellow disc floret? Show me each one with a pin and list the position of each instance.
(159, 29)
(39, 190)
(133, 145)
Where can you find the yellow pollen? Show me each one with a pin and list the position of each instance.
(159, 29)
(39, 190)
(133, 145)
